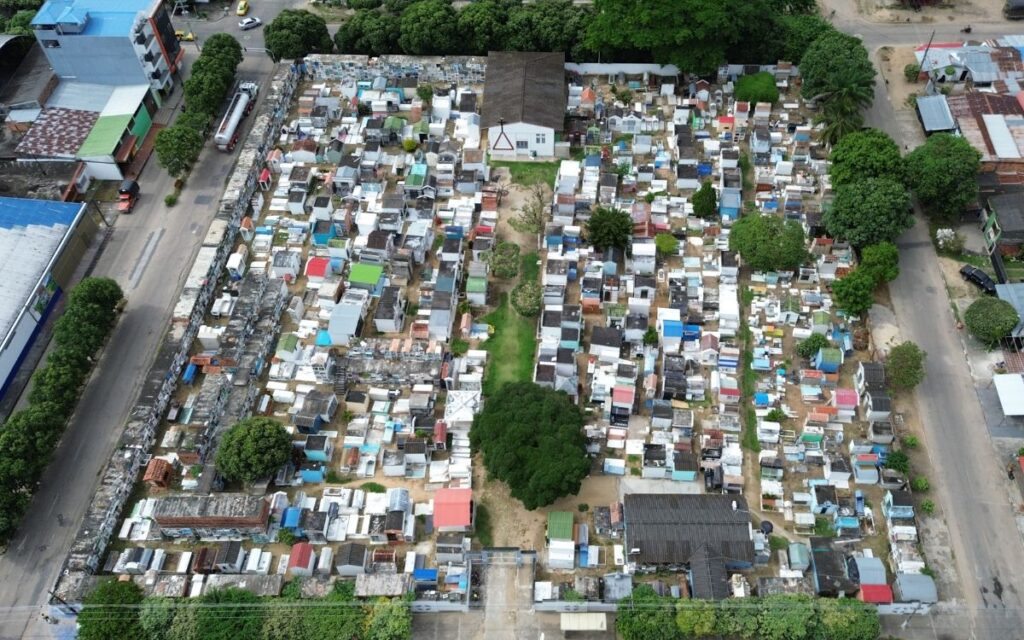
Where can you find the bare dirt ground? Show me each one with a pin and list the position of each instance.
(893, 61)
(889, 11)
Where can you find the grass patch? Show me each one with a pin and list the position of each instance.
(746, 171)
(823, 528)
(373, 487)
(529, 270)
(459, 347)
(528, 174)
(778, 543)
(511, 347)
(482, 526)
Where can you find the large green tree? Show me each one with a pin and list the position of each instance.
(904, 368)
(838, 118)
(370, 33)
(645, 615)
(229, 614)
(225, 47)
(388, 619)
(157, 616)
(768, 243)
(836, 63)
(531, 438)
(787, 617)
(696, 618)
(870, 153)
(482, 26)
(546, 25)
(847, 619)
(109, 612)
(942, 174)
(609, 228)
(253, 449)
(869, 211)
(429, 28)
(799, 31)
(990, 319)
(882, 260)
(705, 201)
(177, 149)
(854, 292)
(340, 617)
(295, 33)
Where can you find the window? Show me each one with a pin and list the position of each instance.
(542, 138)
(50, 44)
(522, 144)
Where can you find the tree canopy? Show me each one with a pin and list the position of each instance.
(609, 228)
(882, 261)
(811, 346)
(835, 63)
(767, 243)
(870, 153)
(799, 32)
(504, 260)
(428, 28)
(666, 244)
(869, 211)
(177, 149)
(990, 319)
(531, 438)
(371, 33)
(253, 449)
(229, 614)
(942, 174)
(854, 293)
(482, 26)
(705, 201)
(527, 298)
(904, 367)
(757, 87)
(104, 614)
(295, 33)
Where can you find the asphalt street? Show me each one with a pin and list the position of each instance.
(149, 254)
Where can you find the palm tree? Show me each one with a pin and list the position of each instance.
(840, 117)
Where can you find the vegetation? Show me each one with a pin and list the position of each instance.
(837, 74)
(823, 527)
(898, 461)
(869, 211)
(920, 484)
(504, 260)
(252, 449)
(666, 244)
(757, 87)
(529, 174)
(295, 33)
(482, 526)
(808, 348)
(106, 613)
(870, 153)
(904, 368)
(609, 228)
(942, 174)
(177, 149)
(882, 261)
(29, 436)
(651, 336)
(783, 617)
(527, 298)
(19, 24)
(854, 292)
(768, 243)
(511, 348)
(776, 415)
(928, 507)
(371, 33)
(990, 319)
(531, 438)
(912, 72)
(532, 216)
(705, 201)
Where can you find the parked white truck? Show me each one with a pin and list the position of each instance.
(241, 104)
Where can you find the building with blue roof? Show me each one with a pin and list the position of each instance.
(41, 243)
(110, 42)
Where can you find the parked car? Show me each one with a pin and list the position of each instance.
(243, 7)
(978, 278)
(184, 36)
(127, 195)
(249, 23)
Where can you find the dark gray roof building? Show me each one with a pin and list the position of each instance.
(525, 87)
(669, 528)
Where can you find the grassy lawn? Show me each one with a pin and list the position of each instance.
(529, 270)
(530, 173)
(511, 347)
(482, 526)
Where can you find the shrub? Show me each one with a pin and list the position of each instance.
(904, 368)
(583, 507)
(920, 484)
(911, 72)
(504, 260)
(373, 487)
(459, 347)
(898, 461)
(911, 442)
(928, 507)
(527, 298)
(666, 244)
(171, 199)
(808, 348)
(776, 415)
(286, 536)
(990, 319)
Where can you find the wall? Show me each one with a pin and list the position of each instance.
(118, 477)
(520, 131)
(635, 69)
(95, 59)
(469, 69)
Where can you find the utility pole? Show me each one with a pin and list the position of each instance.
(66, 605)
(924, 59)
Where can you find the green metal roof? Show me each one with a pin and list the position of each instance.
(104, 136)
(831, 354)
(368, 274)
(560, 525)
(287, 343)
(394, 123)
(476, 284)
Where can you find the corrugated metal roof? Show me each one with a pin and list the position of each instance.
(57, 133)
(104, 136)
(30, 233)
(935, 114)
(125, 100)
(999, 133)
(83, 96)
(560, 525)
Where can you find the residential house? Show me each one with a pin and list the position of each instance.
(390, 314)
(525, 103)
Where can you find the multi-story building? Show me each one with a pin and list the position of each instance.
(110, 42)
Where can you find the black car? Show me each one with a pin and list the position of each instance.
(979, 278)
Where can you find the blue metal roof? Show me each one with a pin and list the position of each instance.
(22, 212)
(425, 575)
(672, 329)
(102, 17)
(292, 517)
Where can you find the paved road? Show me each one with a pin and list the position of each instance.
(970, 484)
(149, 254)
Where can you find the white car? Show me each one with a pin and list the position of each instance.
(249, 23)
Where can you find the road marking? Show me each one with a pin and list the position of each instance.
(143, 261)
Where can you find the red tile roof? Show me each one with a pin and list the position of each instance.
(302, 555)
(318, 267)
(876, 593)
(453, 508)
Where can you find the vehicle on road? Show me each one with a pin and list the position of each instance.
(183, 36)
(127, 195)
(241, 104)
(243, 7)
(978, 278)
(249, 23)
